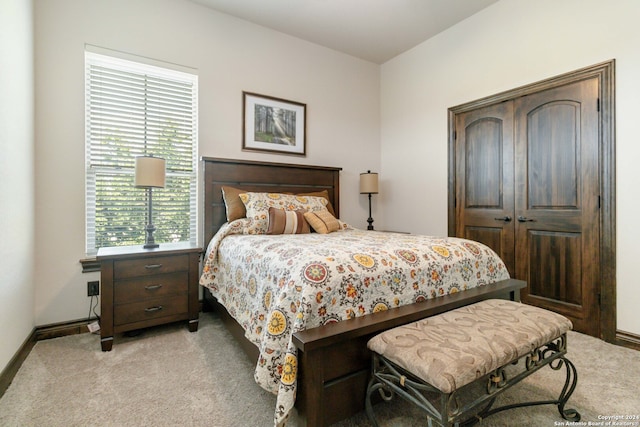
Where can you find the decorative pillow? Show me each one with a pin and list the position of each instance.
(233, 205)
(322, 221)
(258, 204)
(323, 193)
(287, 222)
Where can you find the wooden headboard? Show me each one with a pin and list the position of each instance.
(261, 177)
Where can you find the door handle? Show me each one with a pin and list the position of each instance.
(525, 219)
(504, 218)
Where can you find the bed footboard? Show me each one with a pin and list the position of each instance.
(334, 362)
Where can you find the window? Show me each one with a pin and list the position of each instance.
(134, 109)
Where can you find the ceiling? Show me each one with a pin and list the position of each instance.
(374, 30)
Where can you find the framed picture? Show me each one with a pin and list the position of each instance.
(273, 124)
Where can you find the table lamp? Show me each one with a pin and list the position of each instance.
(150, 174)
(369, 185)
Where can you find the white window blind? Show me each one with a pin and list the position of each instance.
(134, 109)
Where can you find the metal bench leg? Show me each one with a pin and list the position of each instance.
(569, 387)
(368, 407)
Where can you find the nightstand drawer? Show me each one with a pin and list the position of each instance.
(149, 309)
(150, 265)
(161, 285)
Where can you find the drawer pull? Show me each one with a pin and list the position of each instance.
(153, 287)
(152, 266)
(152, 309)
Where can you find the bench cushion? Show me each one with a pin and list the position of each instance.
(455, 348)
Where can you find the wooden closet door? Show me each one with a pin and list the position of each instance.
(484, 185)
(557, 201)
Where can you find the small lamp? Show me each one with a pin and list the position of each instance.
(369, 185)
(150, 173)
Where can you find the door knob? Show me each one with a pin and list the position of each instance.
(504, 218)
(525, 219)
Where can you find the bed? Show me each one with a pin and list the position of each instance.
(327, 364)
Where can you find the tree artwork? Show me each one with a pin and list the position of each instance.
(275, 125)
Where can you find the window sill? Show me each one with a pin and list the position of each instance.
(90, 265)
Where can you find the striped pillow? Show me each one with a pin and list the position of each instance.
(287, 222)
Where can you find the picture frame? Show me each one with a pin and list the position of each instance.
(273, 124)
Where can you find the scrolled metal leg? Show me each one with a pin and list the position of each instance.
(569, 387)
(368, 407)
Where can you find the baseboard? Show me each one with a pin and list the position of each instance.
(63, 329)
(10, 371)
(627, 339)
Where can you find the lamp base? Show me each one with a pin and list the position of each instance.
(149, 241)
(370, 219)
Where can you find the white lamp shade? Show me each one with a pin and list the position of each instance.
(369, 183)
(150, 172)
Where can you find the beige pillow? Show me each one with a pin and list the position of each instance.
(323, 193)
(322, 221)
(234, 207)
(287, 222)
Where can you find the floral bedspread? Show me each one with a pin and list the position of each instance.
(277, 285)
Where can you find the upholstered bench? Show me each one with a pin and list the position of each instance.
(455, 364)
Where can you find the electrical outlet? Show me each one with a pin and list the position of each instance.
(93, 288)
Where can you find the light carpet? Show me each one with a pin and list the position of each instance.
(168, 376)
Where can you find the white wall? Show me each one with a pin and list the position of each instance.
(509, 44)
(230, 55)
(16, 176)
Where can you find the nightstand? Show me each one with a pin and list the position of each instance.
(147, 287)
